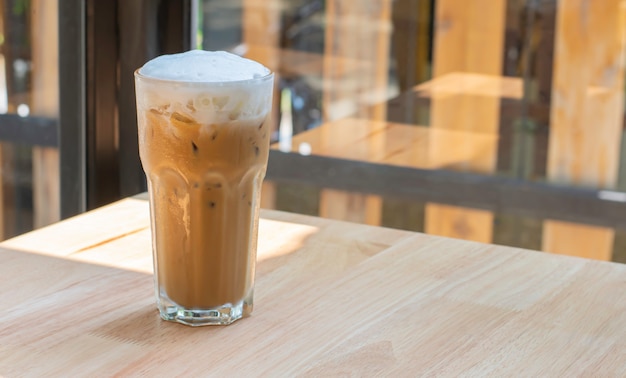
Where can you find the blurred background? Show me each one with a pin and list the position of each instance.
(499, 121)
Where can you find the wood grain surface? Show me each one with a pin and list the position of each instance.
(399, 144)
(586, 114)
(360, 32)
(468, 42)
(332, 299)
(45, 103)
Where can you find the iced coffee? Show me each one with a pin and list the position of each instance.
(203, 142)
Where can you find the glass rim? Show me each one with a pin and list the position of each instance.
(268, 76)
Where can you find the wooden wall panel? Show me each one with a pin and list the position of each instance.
(45, 102)
(469, 38)
(4, 106)
(586, 114)
(3, 84)
(360, 31)
(260, 29)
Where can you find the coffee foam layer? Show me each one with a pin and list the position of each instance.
(207, 87)
(203, 66)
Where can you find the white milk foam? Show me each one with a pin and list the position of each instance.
(203, 66)
(206, 86)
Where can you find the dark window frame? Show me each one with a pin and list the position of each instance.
(101, 44)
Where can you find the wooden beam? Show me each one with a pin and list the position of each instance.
(586, 114)
(363, 32)
(260, 27)
(3, 87)
(45, 102)
(14, 47)
(411, 42)
(469, 38)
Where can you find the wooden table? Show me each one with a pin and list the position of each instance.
(332, 298)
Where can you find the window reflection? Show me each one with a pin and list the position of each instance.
(496, 89)
(518, 103)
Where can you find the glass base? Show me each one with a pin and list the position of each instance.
(222, 315)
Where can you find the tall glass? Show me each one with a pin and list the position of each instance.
(204, 147)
